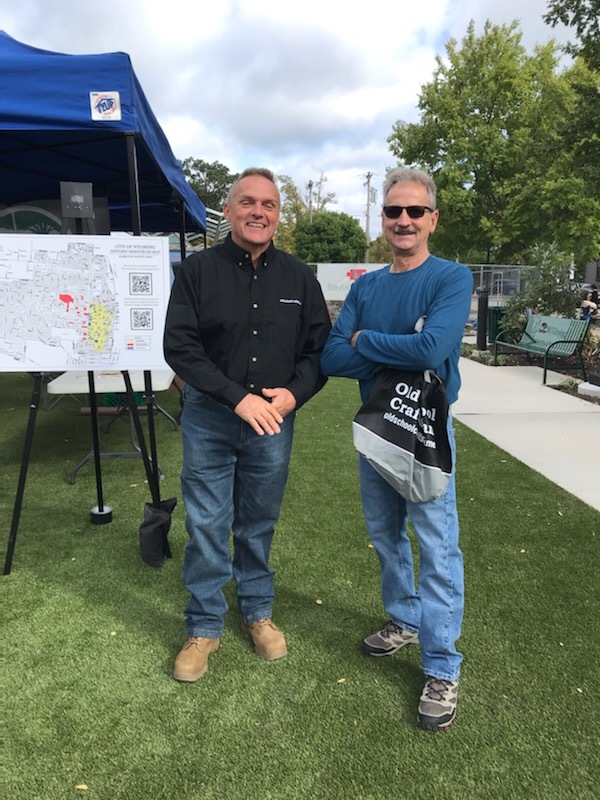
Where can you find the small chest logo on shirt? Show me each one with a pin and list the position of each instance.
(294, 301)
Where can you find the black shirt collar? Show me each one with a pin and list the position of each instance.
(242, 257)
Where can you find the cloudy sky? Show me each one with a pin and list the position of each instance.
(305, 88)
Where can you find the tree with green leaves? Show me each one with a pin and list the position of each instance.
(584, 17)
(380, 250)
(331, 238)
(210, 181)
(494, 134)
(583, 132)
(295, 205)
(548, 288)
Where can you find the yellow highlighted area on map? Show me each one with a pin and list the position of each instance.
(100, 320)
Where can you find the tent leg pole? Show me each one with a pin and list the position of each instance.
(133, 409)
(134, 185)
(100, 514)
(182, 247)
(33, 408)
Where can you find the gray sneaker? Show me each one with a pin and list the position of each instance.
(437, 706)
(389, 640)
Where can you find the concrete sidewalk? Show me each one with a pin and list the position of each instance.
(550, 431)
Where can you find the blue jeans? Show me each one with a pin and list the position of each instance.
(435, 610)
(232, 480)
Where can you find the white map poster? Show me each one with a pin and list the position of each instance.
(82, 302)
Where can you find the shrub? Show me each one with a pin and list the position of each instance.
(547, 288)
(485, 356)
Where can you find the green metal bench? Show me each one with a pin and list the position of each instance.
(545, 336)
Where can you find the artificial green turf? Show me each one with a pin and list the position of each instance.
(91, 633)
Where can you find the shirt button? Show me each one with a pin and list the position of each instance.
(254, 333)
(254, 358)
(254, 305)
(255, 277)
(251, 386)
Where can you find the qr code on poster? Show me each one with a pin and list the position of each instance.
(142, 319)
(140, 283)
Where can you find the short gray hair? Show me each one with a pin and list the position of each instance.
(406, 175)
(262, 171)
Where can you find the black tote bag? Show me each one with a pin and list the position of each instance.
(401, 429)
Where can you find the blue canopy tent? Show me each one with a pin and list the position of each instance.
(85, 118)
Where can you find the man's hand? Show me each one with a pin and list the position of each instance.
(263, 416)
(281, 399)
(354, 338)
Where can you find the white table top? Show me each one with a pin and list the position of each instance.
(109, 381)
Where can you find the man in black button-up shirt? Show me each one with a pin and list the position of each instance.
(245, 328)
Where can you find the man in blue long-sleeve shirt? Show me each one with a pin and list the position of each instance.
(376, 327)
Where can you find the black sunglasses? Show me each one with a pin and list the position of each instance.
(414, 212)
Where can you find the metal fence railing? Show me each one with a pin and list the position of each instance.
(500, 281)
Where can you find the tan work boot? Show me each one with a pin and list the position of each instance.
(192, 661)
(269, 641)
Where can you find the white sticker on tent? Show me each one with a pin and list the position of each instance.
(105, 106)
